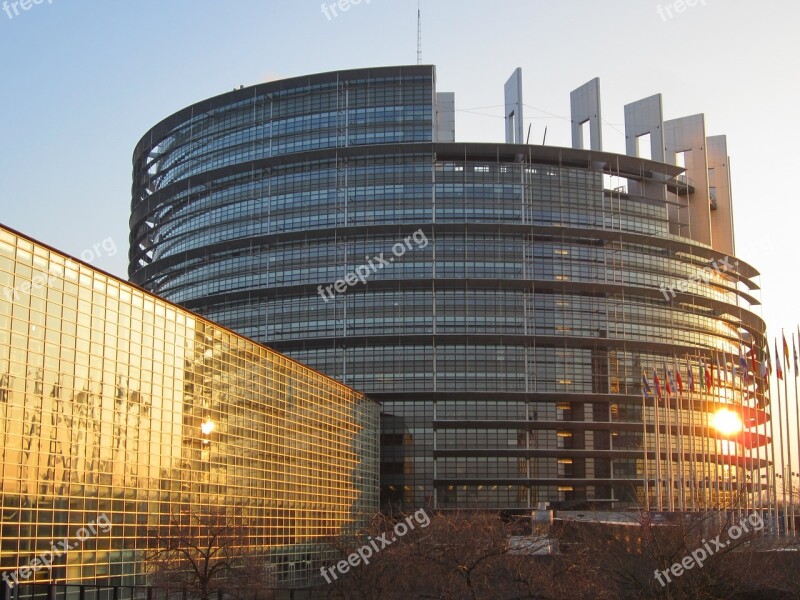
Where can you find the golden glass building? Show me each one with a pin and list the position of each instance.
(119, 410)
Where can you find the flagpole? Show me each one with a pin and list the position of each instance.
(750, 440)
(657, 397)
(679, 439)
(692, 439)
(788, 434)
(705, 438)
(719, 457)
(737, 389)
(769, 427)
(780, 434)
(774, 454)
(733, 444)
(670, 481)
(763, 404)
(713, 461)
(742, 469)
(668, 430)
(796, 405)
(797, 430)
(759, 499)
(746, 444)
(644, 446)
(757, 402)
(754, 448)
(713, 466)
(724, 445)
(771, 507)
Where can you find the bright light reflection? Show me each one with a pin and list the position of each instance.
(727, 422)
(207, 427)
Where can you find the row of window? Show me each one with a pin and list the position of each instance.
(114, 404)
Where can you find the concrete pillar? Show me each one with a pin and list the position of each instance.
(513, 99)
(585, 106)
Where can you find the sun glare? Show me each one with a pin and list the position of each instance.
(727, 422)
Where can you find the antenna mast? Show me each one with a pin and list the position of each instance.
(419, 35)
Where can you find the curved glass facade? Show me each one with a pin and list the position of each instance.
(501, 301)
(121, 410)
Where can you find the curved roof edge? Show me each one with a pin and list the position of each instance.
(168, 123)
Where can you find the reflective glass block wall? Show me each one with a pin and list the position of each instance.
(122, 410)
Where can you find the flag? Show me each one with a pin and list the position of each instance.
(668, 380)
(657, 384)
(785, 350)
(690, 380)
(778, 369)
(645, 385)
(768, 359)
(709, 376)
(703, 380)
(766, 370)
(743, 365)
(752, 353)
(725, 367)
(798, 340)
(794, 352)
(719, 371)
(680, 381)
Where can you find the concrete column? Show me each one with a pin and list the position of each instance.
(585, 106)
(687, 135)
(719, 181)
(513, 99)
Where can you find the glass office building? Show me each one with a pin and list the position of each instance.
(120, 412)
(501, 301)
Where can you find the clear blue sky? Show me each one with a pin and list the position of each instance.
(83, 80)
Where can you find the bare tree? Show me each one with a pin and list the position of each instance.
(689, 556)
(452, 556)
(204, 553)
(483, 556)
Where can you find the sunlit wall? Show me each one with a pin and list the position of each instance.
(117, 405)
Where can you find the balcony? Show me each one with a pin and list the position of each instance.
(681, 185)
